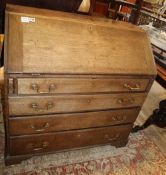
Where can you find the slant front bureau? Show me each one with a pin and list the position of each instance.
(71, 81)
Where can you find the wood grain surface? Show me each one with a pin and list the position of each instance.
(58, 43)
(59, 122)
(20, 105)
(79, 85)
(67, 140)
(71, 81)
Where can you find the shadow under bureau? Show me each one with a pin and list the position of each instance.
(71, 81)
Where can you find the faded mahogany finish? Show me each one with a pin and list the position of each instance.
(71, 81)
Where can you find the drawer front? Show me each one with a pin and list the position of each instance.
(23, 105)
(60, 122)
(81, 85)
(68, 140)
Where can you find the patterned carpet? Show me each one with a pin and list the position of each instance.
(141, 156)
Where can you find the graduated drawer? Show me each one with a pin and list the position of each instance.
(23, 105)
(60, 122)
(79, 85)
(67, 140)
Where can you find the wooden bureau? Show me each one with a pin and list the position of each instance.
(71, 81)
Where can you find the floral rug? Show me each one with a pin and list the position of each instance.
(140, 157)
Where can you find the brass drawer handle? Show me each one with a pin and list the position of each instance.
(119, 118)
(126, 101)
(110, 138)
(43, 128)
(38, 149)
(44, 145)
(36, 107)
(129, 87)
(36, 88)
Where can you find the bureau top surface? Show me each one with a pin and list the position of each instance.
(44, 41)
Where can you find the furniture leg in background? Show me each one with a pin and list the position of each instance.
(158, 118)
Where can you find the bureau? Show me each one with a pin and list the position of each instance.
(71, 81)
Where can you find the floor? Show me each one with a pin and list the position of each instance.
(157, 93)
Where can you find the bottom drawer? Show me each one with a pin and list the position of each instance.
(68, 140)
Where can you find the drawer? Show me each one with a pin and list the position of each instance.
(23, 105)
(79, 85)
(60, 122)
(67, 140)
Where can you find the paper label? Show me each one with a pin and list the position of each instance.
(27, 19)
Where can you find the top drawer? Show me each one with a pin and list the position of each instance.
(78, 85)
